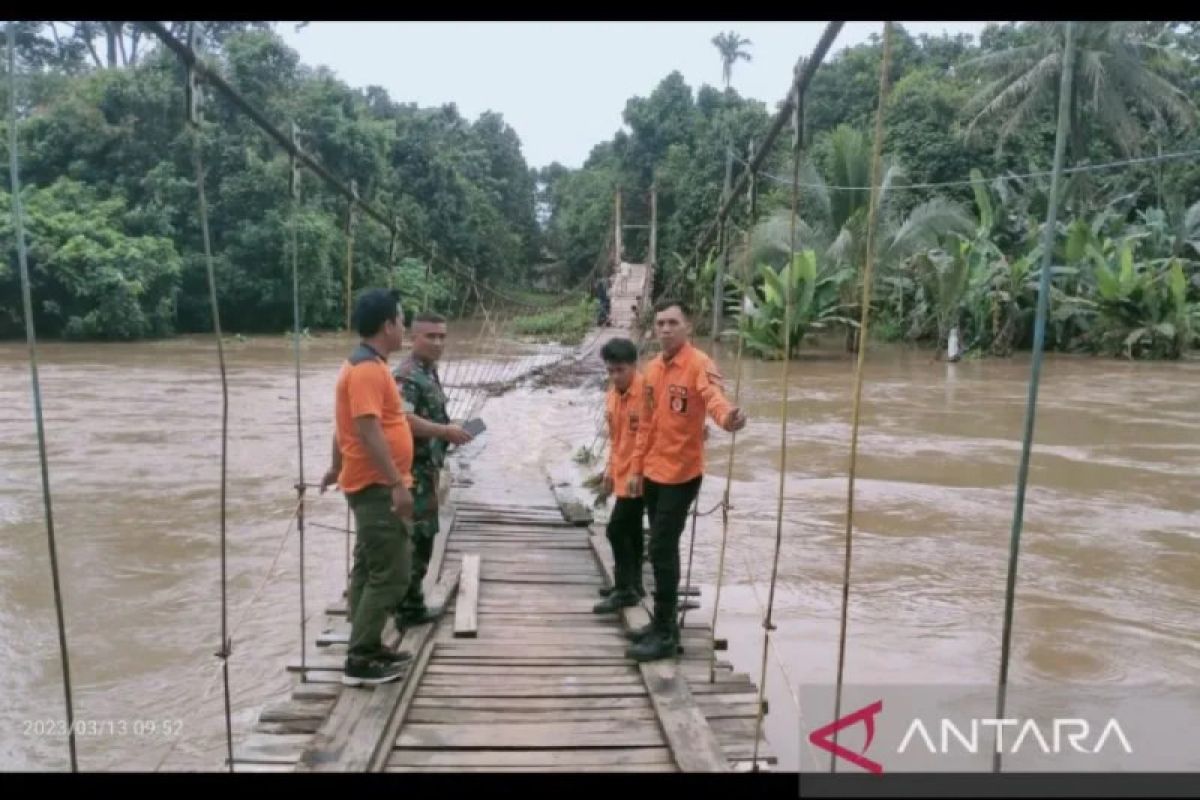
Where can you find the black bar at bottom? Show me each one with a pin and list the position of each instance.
(973, 785)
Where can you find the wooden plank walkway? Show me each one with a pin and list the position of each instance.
(542, 685)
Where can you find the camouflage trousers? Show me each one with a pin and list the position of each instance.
(425, 530)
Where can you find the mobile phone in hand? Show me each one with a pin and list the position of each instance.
(474, 426)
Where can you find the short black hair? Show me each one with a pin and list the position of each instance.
(430, 316)
(619, 351)
(668, 302)
(375, 308)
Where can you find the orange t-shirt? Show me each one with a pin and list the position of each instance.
(622, 412)
(677, 393)
(366, 388)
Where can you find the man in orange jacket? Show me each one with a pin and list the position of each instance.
(681, 385)
(623, 410)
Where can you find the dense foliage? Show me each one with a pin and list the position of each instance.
(111, 205)
(115, 246)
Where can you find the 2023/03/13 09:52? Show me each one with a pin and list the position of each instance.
(166, 728)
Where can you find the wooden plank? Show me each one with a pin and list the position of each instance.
(534, 704)
(738, 729)
(571, 769)
(383, 747)
(352, 736)
(552, 735)
(490, 650)
(692, 742)
(614, 756)
(286, 712)
(445, 716)
(525, 681)
(744, 751)
(446, 668)
(292, 726)
(308, 691)
(242, 766)
(333, 638)
(265, 748)
(600, 690)
(466, 612)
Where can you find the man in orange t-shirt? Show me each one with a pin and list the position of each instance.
(372, 462)
(623, 410)
(681, 386)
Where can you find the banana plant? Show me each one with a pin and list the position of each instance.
(814, 297)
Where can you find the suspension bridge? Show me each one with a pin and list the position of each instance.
(519, 674)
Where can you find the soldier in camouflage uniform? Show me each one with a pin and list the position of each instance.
(425, 404)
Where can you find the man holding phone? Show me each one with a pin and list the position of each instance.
(372, 462)
(425, 405)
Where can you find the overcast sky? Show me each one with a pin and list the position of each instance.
(562, 85)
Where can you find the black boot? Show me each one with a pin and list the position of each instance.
(661, 642)
(618, 599)
(604, 591)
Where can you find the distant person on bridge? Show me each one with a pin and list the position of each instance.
(601, 293)
(623, 410)
(680, 385)
(425, 405)
(372, 462)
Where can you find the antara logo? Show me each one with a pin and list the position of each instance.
(822, 736)
(1028, 734)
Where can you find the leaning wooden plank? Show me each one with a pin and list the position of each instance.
(594, 757)
(387, 738)
(553, 735)
(352, 736)
(692, 741)
(466, 612)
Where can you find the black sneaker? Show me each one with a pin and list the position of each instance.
(371, 673)
(657, 645)
(604, 591)
(615, 602)
(394, 656)
(412, 617)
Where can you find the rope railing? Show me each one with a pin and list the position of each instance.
(36, 386)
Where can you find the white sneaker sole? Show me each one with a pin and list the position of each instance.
(350, 681)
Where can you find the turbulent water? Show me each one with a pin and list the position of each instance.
(1108, 582)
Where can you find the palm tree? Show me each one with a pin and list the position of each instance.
(730, 47)
(1113, 75)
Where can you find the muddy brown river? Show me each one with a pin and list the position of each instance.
(1108, 585)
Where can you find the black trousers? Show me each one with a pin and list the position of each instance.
(668, 505)
(624, 533)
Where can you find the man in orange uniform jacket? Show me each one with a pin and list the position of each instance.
(680, 386)
(623, 410)
(372, 462)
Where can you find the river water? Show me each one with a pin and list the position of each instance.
(1109, 572)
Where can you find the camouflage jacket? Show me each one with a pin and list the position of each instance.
(423, 396)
